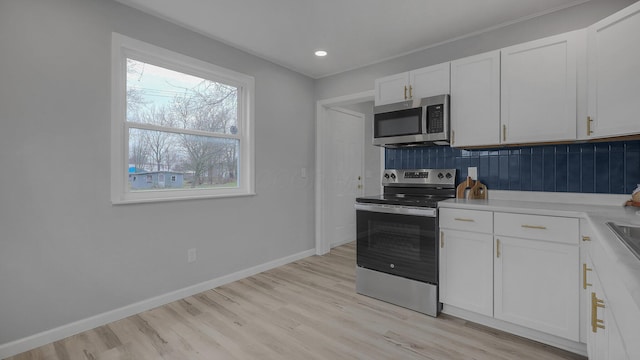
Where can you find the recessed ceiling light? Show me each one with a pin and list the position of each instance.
(321, 53)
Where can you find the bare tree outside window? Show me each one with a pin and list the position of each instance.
(190, 127)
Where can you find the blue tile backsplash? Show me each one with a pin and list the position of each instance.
(606, 167)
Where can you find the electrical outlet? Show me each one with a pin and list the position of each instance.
(473, 172)
(191, 255)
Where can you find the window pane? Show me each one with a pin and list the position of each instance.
(190, 161)
(159, 96)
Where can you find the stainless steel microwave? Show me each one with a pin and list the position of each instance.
(417, 122)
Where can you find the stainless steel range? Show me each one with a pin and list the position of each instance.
(397, 240)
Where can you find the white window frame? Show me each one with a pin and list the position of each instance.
(123, 47)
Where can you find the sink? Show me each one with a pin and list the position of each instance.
(629, 235)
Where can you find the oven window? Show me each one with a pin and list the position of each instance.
(394, 238)
(403, 245)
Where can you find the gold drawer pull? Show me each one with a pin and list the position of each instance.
(586, 238)
(534, 227)
(584, 276)
(497, 248)
(595, 304)
(463, 219)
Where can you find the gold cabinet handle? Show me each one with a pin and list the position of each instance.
(584, 276)
(534, 227)
(453, 136)
(586, 238)
(595, 304)
(405, 92)
(410, 92)
(589, 121)
(504, 132)
(497, 248)
(441, 239)
(463, 219)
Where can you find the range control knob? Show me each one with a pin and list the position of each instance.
(440, 176)
(386, 176)
(449, 175)
(393, 176)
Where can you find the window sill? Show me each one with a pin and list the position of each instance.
(178, 198)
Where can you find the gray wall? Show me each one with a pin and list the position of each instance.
(573, 18)
(65, 252)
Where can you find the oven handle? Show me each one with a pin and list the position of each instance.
(400, 210)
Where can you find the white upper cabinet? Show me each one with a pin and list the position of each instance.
(416, 84)
(475, 104)
(538, 92)
(614, 74)
(430, 81)
(392, 89)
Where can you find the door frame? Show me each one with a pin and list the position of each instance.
(322, 244)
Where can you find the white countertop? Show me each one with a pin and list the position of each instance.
(626, 264)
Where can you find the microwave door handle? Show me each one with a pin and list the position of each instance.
(423, 119)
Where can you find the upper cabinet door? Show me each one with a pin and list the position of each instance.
(614, 74)
(429, 81)
(538, 99)
(475, 100)
(392, 89)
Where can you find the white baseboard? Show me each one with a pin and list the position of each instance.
(340, 243)
(59, 333)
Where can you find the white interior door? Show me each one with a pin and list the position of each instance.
(344, 162)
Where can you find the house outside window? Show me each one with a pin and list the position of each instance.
(180, 117)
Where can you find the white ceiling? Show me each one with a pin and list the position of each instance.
(354, 32)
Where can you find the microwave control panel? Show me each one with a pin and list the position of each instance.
(435, 118)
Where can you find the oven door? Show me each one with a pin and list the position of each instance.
(399, 241)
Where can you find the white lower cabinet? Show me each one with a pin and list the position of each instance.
(536, 272)
(536, 285)
(604, 341)
(521, 269)
(466, 270)
(466, 259)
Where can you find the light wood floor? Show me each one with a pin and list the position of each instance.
(303, 310)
